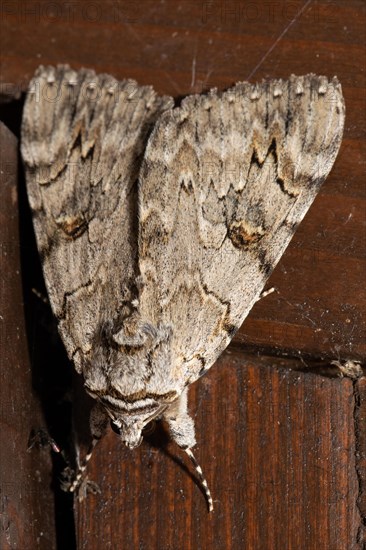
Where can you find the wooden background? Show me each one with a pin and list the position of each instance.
(281, 431)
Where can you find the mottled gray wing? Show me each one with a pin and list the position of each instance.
(83, 136)
(224, 183)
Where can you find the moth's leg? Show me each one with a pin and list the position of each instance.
(265, 293)
(41, 296)
(98, 425)
(181, 427)
(40, 438)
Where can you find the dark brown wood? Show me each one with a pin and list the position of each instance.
(278, 447)
(26, 499)
(360, 417)
(181, 47)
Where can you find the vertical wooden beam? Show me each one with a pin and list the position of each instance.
(26, 498)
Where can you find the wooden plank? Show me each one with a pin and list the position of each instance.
(360, 419)
(184, 47)
(26, 499)
(278, 450)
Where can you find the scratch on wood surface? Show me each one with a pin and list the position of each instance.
(286, 29)
(193, 80)
(132, 30)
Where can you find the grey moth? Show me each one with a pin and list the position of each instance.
(158, 226)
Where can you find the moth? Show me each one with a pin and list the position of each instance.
(159, 225)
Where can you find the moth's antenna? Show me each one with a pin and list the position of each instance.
(202, 479)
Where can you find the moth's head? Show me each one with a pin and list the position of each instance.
(130, 434)
(130, 415)
(129, 427)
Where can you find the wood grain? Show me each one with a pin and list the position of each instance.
(26, 499)
(278, 446)
(181, 47)
(360, 416)
(278, 450)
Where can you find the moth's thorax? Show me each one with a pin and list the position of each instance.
(130, 370)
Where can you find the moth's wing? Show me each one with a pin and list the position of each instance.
(83, 136)
(224, 183)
